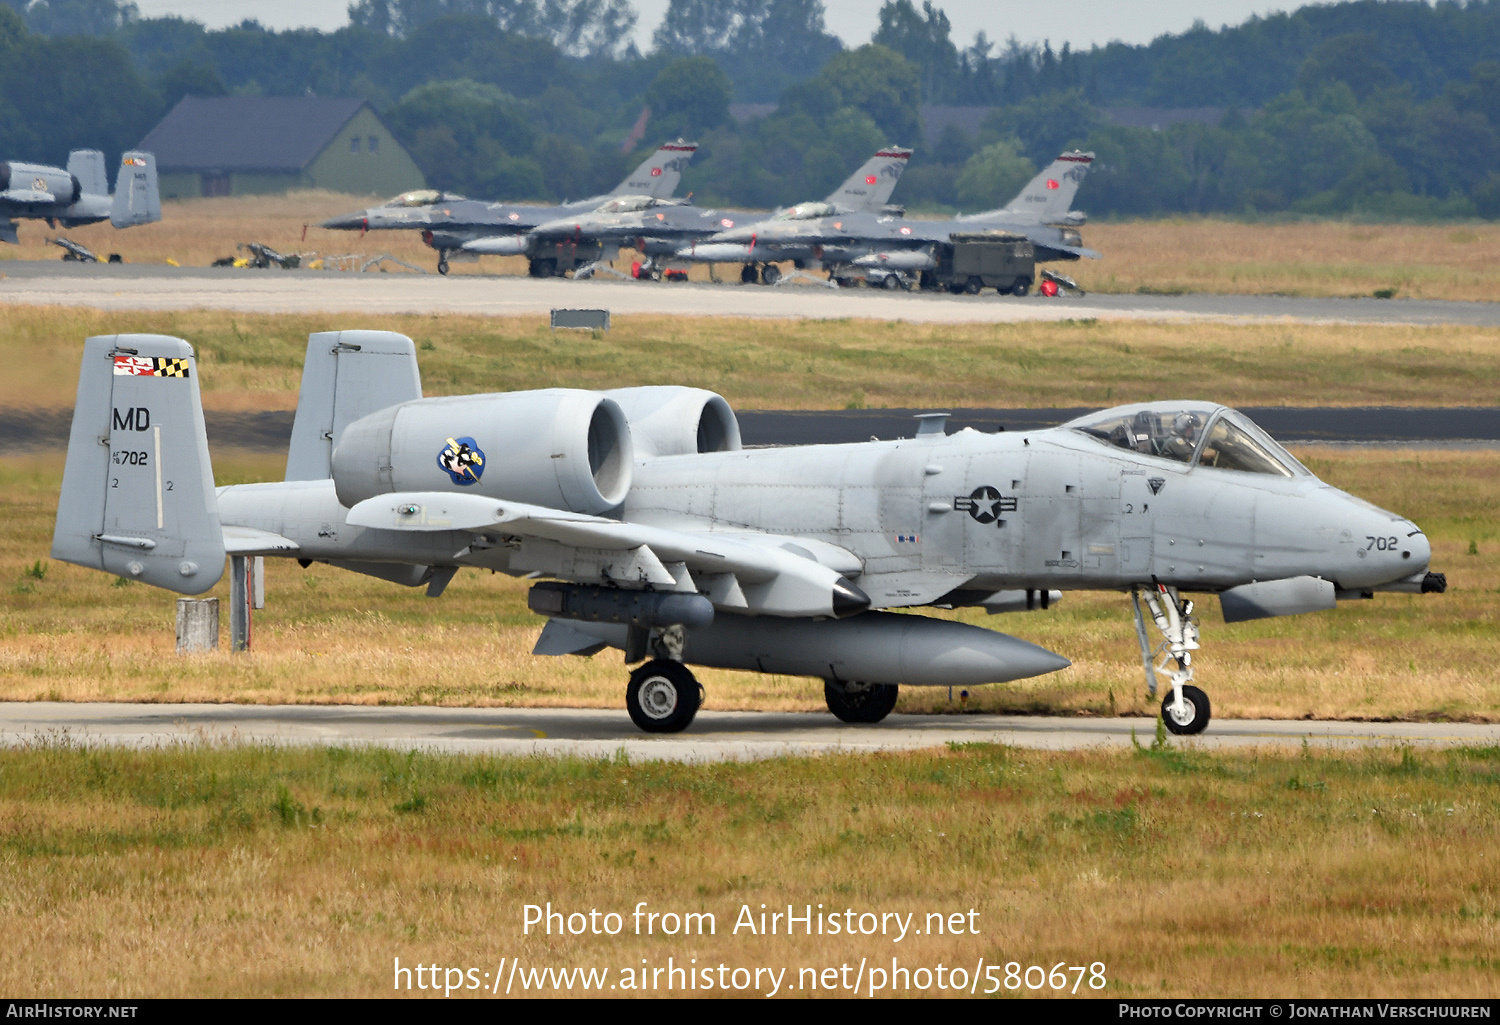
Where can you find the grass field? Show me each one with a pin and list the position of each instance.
(257, 872)
(252, 362)
(1323, 258)
(67, 633)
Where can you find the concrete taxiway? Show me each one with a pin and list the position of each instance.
(159, 287)
(605, 733)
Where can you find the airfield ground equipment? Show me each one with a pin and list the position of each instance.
(975, 260)
(79, 252)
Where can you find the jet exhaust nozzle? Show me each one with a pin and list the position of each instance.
(613, 605)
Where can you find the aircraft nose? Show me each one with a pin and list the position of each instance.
(346, 222)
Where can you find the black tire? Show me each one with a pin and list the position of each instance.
(891, 282)
(663, 696)
(748, 275)
(973, 286)
(870, 703)
(770, 274)
(442, 265)
(1197, 721)
(1020, 286)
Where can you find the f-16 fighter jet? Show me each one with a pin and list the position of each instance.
(814, 237)
(658, 227)
(448, 221)
(663, 538)
(80, 194)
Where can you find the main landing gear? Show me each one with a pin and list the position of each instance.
(856, 702)
(663, 695)
(1185, 709)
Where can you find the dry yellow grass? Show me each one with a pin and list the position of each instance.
(255, 872)
(1317, 258)
(1322, 258)
(254, 361)
(331, 636)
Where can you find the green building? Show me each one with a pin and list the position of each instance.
(248, 145)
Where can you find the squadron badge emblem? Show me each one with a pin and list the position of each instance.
(463, 460)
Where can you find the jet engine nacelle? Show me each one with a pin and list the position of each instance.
(669, 420)
(560, 448)
(39, 184)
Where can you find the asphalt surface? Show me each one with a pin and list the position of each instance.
(713, 737)
(271, 430)
(160, 287)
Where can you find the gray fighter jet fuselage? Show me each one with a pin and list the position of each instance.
(448, 222)
(80, 194)
(815, 237)
(662, 537)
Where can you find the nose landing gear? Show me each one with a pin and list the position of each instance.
(1185, 710)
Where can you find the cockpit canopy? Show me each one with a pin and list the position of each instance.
(805, 212)
(629, 204)
(422, 197)
(1197, 433)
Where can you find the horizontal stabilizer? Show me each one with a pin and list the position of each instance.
(252, 541)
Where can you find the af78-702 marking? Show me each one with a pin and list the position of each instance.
(662, 537)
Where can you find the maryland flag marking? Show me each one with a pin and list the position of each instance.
(150, 366)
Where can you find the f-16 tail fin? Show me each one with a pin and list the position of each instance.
(660, 174)
(87, 165)
(138, 494)
(137, 197)
(1048, 197)
(870, 187)
(346, 375)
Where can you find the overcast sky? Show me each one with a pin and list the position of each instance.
(1080, 22)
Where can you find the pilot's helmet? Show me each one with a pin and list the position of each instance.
(1186, 424)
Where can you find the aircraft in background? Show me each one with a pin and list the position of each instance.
(657, 228)
(816, 238)
(80, 193)
(665, 539)
(448, 221)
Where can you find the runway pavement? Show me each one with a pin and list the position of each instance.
(1405, 426)
(159, 287)
(713, 737)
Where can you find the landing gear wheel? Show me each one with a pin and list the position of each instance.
(892, 282)
(1194, 716)
(860, 702)
(663, 696)
(1020, 287)
(747, 274)
(443, 263)
(770, 274)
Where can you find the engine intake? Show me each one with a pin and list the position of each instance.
(558, 447)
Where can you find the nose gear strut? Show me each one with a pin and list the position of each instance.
(1185, 710)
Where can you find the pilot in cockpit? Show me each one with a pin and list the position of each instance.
(1184, 438)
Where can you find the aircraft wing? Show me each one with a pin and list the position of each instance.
(28, 197)
(746, 571)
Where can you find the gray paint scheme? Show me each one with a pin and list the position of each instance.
(80, 194)
(785, 543)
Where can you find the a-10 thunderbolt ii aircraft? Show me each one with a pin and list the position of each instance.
(448, 221)
(657, 228)
(846, 243)
(80, 193)
(667, 540)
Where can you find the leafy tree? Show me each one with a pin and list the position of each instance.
(580, 27)
(764, 45)
(880, 82)
(689, 96)
(991, 177)
(1349, 59)
(188, 78)
(77, 17)
(1045, 125)
(924, 38)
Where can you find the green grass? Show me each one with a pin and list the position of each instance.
(252, 871)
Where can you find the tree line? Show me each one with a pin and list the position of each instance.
(1382, 108)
